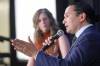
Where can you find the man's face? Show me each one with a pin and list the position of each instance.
(71, 19)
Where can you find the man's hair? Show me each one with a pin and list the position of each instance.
(82, 7)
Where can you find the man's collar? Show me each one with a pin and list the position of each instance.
(78, 33)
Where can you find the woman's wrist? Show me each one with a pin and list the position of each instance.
(35, 55)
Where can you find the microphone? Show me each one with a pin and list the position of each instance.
(56, 36)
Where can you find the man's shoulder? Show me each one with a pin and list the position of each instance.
(90, 33)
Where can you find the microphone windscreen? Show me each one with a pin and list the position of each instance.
(58, 34)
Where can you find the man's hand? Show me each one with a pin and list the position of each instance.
(27, 48)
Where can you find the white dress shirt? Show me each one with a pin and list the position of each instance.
(79, 32)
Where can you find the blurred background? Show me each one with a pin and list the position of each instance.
(16, 22)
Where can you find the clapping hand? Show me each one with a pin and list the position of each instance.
(27, 48)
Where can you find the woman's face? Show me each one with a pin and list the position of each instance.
(44, 23)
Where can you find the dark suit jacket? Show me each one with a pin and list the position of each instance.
(84, 52)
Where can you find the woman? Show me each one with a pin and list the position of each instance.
(45, 26)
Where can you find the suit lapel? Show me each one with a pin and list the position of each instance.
(77, 41)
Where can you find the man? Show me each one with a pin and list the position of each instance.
(85, 51)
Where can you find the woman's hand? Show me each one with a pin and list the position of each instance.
(48, 42)
(27, 48)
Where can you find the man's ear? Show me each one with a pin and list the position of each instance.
(82, 17)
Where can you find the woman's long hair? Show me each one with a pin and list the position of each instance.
(38, 35)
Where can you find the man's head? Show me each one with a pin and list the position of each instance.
(77, 15)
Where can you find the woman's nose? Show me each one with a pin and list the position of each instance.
(42, 21)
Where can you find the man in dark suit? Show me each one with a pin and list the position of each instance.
(85, 51)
